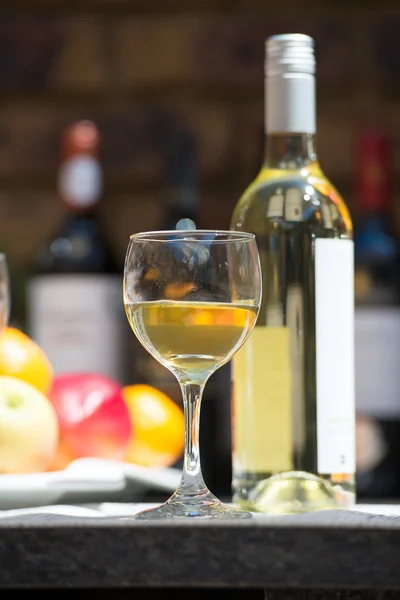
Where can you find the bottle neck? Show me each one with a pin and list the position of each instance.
(73, 214)
(182, 210)
(289, 150)
(75, 209)
(182, 183)
(290, 121)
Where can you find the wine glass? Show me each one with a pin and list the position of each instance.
(4, 293)
(192, 299)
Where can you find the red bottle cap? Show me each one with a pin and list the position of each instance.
(82, 137)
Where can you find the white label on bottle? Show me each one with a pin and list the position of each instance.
(80, 181)
(377, 351)
(293, 205)
(334, 329)
(78, 320)
(275, 207)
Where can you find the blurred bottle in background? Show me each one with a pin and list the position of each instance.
(17, 286)
(377, 321)
(75, 308)
(182, 213)
(182, 186)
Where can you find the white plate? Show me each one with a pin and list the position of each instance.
(85, 480)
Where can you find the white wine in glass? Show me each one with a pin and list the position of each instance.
(194, 338)
(192, 299)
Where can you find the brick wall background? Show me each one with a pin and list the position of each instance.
(139, 68)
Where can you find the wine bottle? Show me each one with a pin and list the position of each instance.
(182, 190)
(181, 212)
(75, 309)
(377, 321)
(293, 381)
(16, 284)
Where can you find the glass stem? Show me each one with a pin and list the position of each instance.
(192, 482)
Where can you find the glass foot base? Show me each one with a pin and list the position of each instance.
(293, 492)
(195, 507)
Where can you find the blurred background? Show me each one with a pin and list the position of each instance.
(176, 91)
(143, 68)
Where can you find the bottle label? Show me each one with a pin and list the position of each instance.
(275, 206)
(293, 205)
(377, 351)
(262, 412)
(78, 320)
(334, 329)
(80, 181)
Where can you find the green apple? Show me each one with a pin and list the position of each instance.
(28, 428)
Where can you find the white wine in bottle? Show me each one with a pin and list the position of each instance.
(293, 380)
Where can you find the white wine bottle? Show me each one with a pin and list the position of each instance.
(293, 380)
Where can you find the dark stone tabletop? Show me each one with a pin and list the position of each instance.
(326, 550)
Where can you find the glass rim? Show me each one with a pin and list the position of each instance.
(220, 235)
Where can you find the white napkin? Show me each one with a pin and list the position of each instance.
(121, 510)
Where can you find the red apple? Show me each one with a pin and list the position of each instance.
(93, 417)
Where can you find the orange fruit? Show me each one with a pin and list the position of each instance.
(21, 357)
(158, 427)
(62, 458)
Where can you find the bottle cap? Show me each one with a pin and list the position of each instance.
(82, 137)
(290, 84)
(289, 53)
